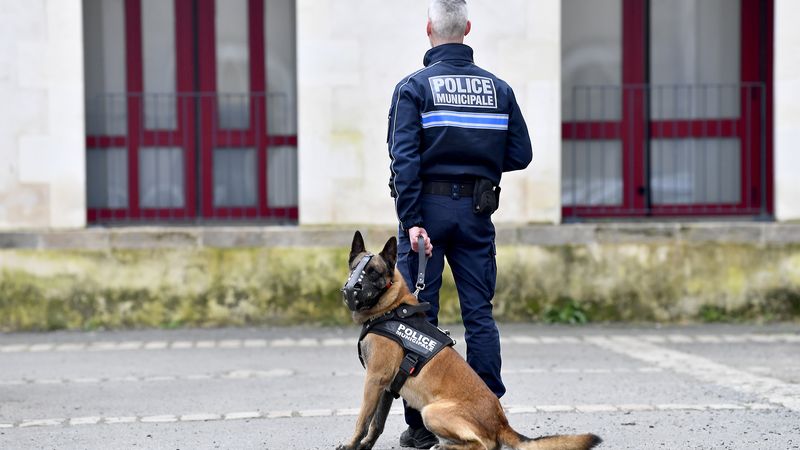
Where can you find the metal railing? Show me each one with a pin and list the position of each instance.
(191, 157)
(665, 150)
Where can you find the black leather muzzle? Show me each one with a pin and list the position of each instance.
(353, 289)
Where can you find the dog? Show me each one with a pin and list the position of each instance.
(455, 403)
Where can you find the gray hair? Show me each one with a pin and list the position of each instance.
(448, 18)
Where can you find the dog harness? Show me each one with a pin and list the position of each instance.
(420, 339)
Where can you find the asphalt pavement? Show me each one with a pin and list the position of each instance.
(698, 387)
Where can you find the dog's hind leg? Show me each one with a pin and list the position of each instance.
(444, 420)
(378, 421)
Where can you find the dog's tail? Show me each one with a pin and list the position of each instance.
(558, 442)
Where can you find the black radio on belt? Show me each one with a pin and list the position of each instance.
(485, 197)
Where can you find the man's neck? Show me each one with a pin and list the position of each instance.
(436, 42)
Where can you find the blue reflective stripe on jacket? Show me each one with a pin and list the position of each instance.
(451, 120)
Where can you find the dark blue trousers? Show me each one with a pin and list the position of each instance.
(467, 241)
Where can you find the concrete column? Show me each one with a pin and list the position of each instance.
(351, 54)
(42, 151)
(787, 110)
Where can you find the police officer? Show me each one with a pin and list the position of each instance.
(454, 128)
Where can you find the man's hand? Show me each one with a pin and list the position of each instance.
(414, 233)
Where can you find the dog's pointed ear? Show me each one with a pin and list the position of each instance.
(357, 247)
(389, 253)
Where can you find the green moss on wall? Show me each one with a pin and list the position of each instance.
(50, 289)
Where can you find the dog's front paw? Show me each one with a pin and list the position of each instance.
(366, 445)
(344, 447)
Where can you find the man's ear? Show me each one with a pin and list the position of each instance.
(429, 28)
(389, 253)
(356, 248)
(468, 28)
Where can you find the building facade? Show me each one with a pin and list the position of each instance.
(275, 111)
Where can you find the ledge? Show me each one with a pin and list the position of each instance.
(753, 233)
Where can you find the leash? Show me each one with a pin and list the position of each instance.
(423, 262)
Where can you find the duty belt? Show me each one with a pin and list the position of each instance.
(463, 189)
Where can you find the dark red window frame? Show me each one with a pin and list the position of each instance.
(192, 96)
(634, 128)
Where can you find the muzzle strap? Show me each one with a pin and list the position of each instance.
(353, 285)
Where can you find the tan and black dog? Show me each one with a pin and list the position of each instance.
(455, 403)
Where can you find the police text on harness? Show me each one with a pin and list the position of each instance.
(413, 336)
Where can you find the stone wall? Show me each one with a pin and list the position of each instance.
(352, 53)
(163, 277)
(42, 154)
(787, 110)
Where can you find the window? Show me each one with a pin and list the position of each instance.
(191, 109)
(666, 108)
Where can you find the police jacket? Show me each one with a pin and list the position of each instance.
(451, 120)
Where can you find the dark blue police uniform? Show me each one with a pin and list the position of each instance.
(449, 124)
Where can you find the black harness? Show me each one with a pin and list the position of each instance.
(420, 339)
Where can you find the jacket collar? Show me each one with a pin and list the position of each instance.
(448, 51)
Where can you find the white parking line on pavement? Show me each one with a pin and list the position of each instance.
(396, 410)
(199, 417)
(230, 343)
(555, 408)
(513, 339)
(159, 419)
(84, 420)
(13, 348)
(244, 415)
(255, 343)
(315, 413)
(680, 407)
(41, 348)
(771, 389)
(86, 380)
(239, 374)
(595, 408)
(116, 420)
(41, 423)
(70, 347)
(130, 345)
(636, 407)
(156, 345)
(727, 406)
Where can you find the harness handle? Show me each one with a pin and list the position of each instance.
(423, 262)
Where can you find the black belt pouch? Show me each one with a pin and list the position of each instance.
(485, 197)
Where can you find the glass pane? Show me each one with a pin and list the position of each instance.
(591, 55)
(158, 54)
(695, 42)
(591, 173)
(233, 63)
(107, 177)
(282, 177)
(692, 171)
(694, 101)
(235, 177)
(161, 174)
(104, 67)
(281, 59)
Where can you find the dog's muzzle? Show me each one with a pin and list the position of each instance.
(352, 289)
